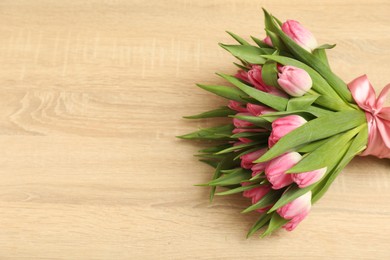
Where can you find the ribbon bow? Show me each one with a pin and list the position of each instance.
(378, 117)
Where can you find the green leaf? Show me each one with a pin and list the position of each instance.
(269, 74)
(319, 83)
(270, 100)
(260, 43)
(301, 103)
(220, 112)
(247, 53)
(338, 85)
(241, 146)
(268, 22)
(215, 149)
(232, 178)
(289, 195)
(270, 117)
(269, 199)
(212, 133)
(257, 135)
(326, 155)
(333, 104)
(258, 121)
(321, 55)
(357, 146)
(241, 66)
(325, 46)
(263, 220)
(314, 130)
(246, 151)
(210, 156)
(226, 163)
(276, 41)
(276, 223)
(238, 39)
(321, 184)
(211, 163)
(226, 92)
(312, 146)
(257, 177)
(237, 190)
(317, 111)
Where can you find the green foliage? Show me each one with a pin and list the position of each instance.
(220, 112)
(212, 133)
(315, 130)
(336, 130)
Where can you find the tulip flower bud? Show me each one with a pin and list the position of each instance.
(241, 123)
(267, 40)
(295, 210)
(243, 75)
(275, 171)
(237, 106)
(257, 110)
(247, 159)
(295, 81)
(258, 168)
(257, 194)
(283, 126)
(300, 35)
(305, 179)
(255, 78)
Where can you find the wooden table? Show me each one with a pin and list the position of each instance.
(92, 94)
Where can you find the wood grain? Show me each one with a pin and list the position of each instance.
(91, 97)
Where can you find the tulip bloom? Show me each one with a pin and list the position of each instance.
(237, 106)
(276, 169)
(267, 40)
(247, 159)
(255, 78)
(243, 75)
(257, 194)
(241, 123)
(258, 168)
(257, 110)
(300, 35)
(295, 211)
(283, 126)
(305, 179)
(295, 81)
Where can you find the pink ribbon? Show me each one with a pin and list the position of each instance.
(378, 117)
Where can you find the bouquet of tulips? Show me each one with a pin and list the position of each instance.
(293, 125)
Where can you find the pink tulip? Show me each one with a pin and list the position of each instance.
(257, 194)
(296, 210)
(257, 110)
(258, 168)
(305, 179)
(283, 126)
(275, 171)
(247, 159)
(243, 75)
(295, 81)
(247, 130)
(293, 223)
(255, 78)
(300, 35)
(241, 123)
(267, 40)
(237, 106)
(237, 143)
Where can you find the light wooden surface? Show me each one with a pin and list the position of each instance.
(91, 97)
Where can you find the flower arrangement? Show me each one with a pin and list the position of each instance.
(294, 125)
